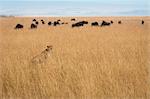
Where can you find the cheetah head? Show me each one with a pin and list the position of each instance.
(49, 48)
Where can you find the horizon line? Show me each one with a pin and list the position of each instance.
(76, 16)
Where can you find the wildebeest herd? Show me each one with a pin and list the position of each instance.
(35, 23)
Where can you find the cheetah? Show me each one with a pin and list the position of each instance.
(41, 58)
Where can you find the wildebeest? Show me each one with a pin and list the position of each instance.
(56, 23)
(37, 22)
(42, 21)
(94, 24)
(111, 22)
(58, 20)
(34, 19)
(19, 26)
(85, 22)
(33, 26)
(49, 23)
(119, 22)
(142, 22)
(78, 24)
(104, 23)
(73, 19)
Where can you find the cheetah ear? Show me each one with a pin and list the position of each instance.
(49, 46)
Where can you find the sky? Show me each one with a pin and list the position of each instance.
(75, 7)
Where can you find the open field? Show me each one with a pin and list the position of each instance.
(85, 62)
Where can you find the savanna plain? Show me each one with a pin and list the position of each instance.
(85, 62)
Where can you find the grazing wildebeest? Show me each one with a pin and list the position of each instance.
(34, 19)
(41, 58)
(58, 20)
(78, 24)
(142, 22)
(73, 19)
(42, 21)
(111, 22)
(94, 24)
(49, 23)
(56, 23)
(119, 22)
(37, 22)
(104, 23)
(85, 22)
(19, 26)
(33, 26)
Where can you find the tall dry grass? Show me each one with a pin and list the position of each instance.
(86, 62)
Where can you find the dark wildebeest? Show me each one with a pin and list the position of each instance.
(85, 22)
(42, 21)
(73, 19)
(49, 23)
(19, 26)
(104, 23)
(111, 22)
(56, 23)
(34, 19)
(58, 20)
(119, 22)
(142, 22)
(37, 22)
(33, 26)
(94, 24)
(78, 24)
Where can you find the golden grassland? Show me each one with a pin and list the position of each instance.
(86, 62)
